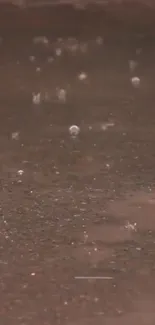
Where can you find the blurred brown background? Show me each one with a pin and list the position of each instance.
(40, 13)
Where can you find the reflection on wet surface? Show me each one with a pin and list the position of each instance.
(77, 180)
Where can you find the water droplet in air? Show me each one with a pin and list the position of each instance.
(83, 48)
(82, 76)
(61, 93)
(107, 125)
(20, 172)
(50, 59)
(74, 130)
(99, 40)
(38, 69)
(36, 98)
(32, 58)
(58, 52)
(40, 40)
(130, 226)
(15, 136)
(138, 50)
(132, 65)
(135, 82)
(33, 274)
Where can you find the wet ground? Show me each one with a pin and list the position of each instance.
(77, 222)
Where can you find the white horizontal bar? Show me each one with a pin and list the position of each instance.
(93, 277)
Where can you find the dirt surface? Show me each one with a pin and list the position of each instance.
(77, 223)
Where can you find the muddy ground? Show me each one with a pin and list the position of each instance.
(77, 206)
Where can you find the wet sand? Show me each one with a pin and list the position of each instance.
(77, 206)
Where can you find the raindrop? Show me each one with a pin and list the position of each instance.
(83, 47)
(61, 93)
(79, 6)
(58, 51)
(59, 39)
(15, 136)
(105, 126)
(20, 3)
(132, 65)
(65, 303)
(130, 226)
(50, 59)
(135, 82)
(73, 48)
(32, 58)
(33, 274)
(99, 40)
(96, 299)
(36, 98)
(74, 130)
(47, 97)
(38, 69)
(40, 40)
(138, 50)
(82, 76)
(138, 249)
(20, 172)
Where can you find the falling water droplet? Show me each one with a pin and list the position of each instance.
(74, 130)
